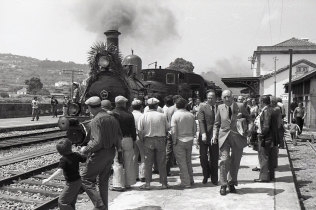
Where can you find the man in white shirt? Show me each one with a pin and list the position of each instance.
(35, 109)
(152, 128)
(183, 129)
(139, 148)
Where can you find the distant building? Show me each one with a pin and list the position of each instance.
(61, 83)
(304, 90)
(22, 91)
(263, 62)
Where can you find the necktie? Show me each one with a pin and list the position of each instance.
(213, 110)
(230, 112)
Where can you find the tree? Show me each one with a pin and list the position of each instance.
(181, 64)
(34, 85)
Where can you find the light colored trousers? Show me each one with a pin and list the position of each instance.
(155, 147)
(229, 163)
(139, 150)
(183, 152)
(128, 162)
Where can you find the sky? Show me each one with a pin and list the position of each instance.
(215, 35)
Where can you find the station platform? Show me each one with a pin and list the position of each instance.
(25, 123)
(280, 194)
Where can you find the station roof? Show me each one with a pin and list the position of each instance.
(237, 82)
(295, 42)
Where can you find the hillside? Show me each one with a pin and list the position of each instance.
(15, 69)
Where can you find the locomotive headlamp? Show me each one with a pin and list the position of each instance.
(103, 62)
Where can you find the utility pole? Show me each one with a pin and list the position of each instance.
(289, 87)
(72, 72)
(275, 60)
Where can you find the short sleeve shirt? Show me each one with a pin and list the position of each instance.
(70, 165)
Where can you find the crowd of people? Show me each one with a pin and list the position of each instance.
(145, 138)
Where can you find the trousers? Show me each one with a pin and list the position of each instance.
(155, 147)
(209, 160)
(183, 153)
(68, 198)
(229, 163)
(98, 165)
(267, 161)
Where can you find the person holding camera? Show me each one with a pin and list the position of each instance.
(106, 136)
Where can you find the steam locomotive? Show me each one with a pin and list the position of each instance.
(110, 76)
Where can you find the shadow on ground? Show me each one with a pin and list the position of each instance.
(147, 208)
(268, 191)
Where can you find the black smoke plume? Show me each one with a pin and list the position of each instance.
(137, 19)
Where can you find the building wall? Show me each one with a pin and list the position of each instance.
(266, 63)
(309, 102)
(281, 79)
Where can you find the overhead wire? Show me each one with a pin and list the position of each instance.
(270, 22)
(280, 32)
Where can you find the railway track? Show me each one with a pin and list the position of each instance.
(27, 139)
(26, 191)
(303, 163)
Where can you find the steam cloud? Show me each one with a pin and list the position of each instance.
(138, 19)
(234, 66)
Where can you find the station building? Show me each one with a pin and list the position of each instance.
(271, 65)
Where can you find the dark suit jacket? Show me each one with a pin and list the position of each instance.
(269, 125)
(223, 126)
(206, 120)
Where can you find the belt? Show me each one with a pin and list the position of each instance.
(151, 137)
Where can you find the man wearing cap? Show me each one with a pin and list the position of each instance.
(152, 128)
(127, 124)
(106, 135)
(139, 148)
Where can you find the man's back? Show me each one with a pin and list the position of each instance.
(153, 123)
(105, 132)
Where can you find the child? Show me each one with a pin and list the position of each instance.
(294, 130)
(69, 164)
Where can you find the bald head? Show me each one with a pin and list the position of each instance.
(227, 97)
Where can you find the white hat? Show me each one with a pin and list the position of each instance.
(119, 99)
(93, 101)
(152, 101)
(136, 102)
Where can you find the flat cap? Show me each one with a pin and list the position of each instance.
(106, 104)
(93, 101)
(136, 102)
(119, 99)
(152, 101)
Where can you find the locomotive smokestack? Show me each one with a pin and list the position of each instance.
(112, 37)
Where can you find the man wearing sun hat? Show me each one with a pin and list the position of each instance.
(139, 149)
(106, 135)
(152, 128)
(127, 124)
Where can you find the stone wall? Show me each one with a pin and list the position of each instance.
(11, 110)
